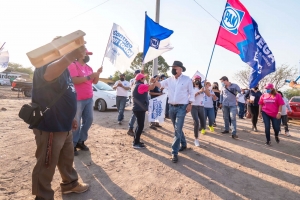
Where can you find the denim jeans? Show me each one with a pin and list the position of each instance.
(177, 115)
(275, 124)
(210, 113)
(284, 120)
(198, 113)
(132, 121)
(241, 109)
(120, 103)
(230, 112)
(84, 117)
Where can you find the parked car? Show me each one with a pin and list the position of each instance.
(22, 86)
(4, 82)
(295, 106)
(104, 97)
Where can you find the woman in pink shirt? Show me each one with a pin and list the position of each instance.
(270, 105)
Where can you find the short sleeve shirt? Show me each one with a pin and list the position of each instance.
(121, 91)
(208, 101)
(60, 116)
(270, 105)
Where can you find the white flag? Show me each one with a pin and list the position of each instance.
(4, 58)
(121, 50)
(197, 73)
(156, 109)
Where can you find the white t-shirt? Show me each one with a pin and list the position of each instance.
(240, 97)
(199, 98)
(285, 107)
(121, 91)
(208, 101)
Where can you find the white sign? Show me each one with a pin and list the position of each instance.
(156, 109)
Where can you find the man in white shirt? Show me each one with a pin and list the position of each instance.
(240, 97)
(121, 86)
(181, 97)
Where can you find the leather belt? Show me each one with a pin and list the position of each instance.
(176, 105)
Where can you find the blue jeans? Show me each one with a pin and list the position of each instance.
(132, 121)
(177, 115)
(241, 109)
(230, 111)
(210, 113)
(120, 103)
(275, 124)
(84, 117)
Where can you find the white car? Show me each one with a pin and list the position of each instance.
(104, 97)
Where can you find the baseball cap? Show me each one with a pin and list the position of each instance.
(269, 86)
(197, 76)
(140, 76)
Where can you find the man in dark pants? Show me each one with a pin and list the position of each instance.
(49, 81)
(140, 106)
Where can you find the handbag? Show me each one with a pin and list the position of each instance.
(33, 114)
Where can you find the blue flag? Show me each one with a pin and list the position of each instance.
(156, 40)
(263, 62)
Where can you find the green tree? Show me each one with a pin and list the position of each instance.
(277, 78)
(289, 93)
(16, 67)
(128, 75)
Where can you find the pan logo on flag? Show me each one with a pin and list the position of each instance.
(154, 42)
(232, 19)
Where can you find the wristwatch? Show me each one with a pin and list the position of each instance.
(88, 78)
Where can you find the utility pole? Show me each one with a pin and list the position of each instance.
(155, 61)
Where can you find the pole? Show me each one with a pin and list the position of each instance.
(107, 45)
(155, 61)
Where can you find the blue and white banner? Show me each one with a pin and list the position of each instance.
(4, 57)
(121, 50)
(156, 109)
(156, 40)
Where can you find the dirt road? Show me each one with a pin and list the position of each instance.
(221, 168)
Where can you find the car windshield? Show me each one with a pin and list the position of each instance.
(295, 99)
(103, 86)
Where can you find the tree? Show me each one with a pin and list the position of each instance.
(128, 75)
(16, 67)
(277, 78)
(291, 92)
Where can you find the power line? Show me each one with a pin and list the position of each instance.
(89, 9)
(206, 11)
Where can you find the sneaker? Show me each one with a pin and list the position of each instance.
(255, 129)
(235, 136)
(130, 132)
(279, 133)
(214, 124)
(211, 128)
(197, 144)
(82, 146)
(287, 134)
(224, 132)
(75, 152)
(174, 158)
(277, 139)
(268, 143)
(80, 188)
(182, 148)
(252, 128)
(119, 122)
(152, 127)
(138, 146)
(203, 131)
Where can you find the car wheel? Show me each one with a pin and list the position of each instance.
(27, 93)
(101, 105)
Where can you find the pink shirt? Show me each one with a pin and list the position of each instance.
(270, 105)
(143, 88)
(84, 90)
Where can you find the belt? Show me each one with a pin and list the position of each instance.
(176, 105)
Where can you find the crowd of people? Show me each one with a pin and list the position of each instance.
(64, 127)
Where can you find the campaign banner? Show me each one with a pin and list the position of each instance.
(4, 58)
(156, 109)
(121, 50)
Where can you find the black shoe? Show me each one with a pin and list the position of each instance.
(138, 146)
(39, 198)
(224, 132)
(182, 148)
(82, 146)
(235, 136)
(277, 139)
(130, 132)
(75, 152)
(174, 158)
(153, 127)
(268, 143)
(214, 124)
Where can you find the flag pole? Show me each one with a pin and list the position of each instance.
(143, 65)
(107, 46)
(212, 53)
(2, 46)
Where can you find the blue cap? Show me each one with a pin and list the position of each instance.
(137, 71)
(162, 76)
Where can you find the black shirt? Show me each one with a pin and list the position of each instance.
(60, 116)
(155, 90)
(256, 95)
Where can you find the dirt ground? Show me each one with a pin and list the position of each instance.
(221, 168)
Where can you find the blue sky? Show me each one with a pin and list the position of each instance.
(26, 25)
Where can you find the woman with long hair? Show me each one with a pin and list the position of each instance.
(216, 103)
(252, 97)
(270, 106)
(197, 108)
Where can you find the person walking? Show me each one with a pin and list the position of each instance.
(209, 97)
(53, 136)
(284, 117)
(140, 105)
(270, 107)
(133, 118)
(240, 97)
(252, 98)
(228, 104)
(83, 77)
(181, 96)
(121, 86)
(216, 103)
(198, 110)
